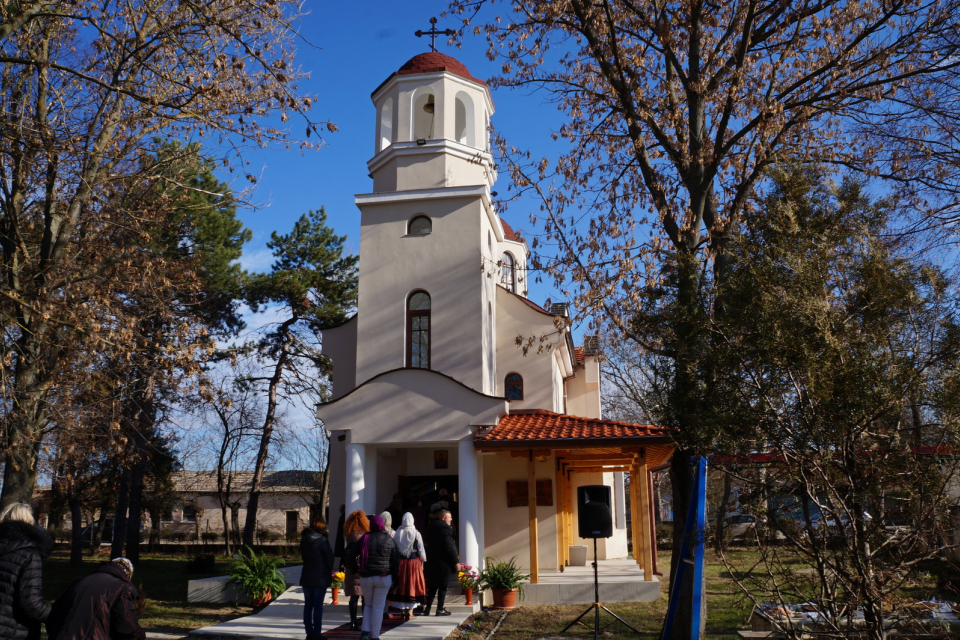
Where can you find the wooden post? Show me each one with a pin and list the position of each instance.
(568, 515)
(561, 528)
(532, 510)
(635, 530)
(645, 519)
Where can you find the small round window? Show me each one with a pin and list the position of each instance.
(420, 226)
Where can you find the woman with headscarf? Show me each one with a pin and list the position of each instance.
(379, 566)
(354, 528)
(387, 522)
(410, 589)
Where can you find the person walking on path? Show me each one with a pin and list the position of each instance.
(410, 589)
(101, 606)
(23, 547)
(315, 576)
(379, 565)
(442, 563)
(355, 527)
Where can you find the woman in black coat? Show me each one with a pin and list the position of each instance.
(315, 576)
(100, 606)
(442, 561)
(22, 550)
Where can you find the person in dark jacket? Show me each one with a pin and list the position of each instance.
(100, 606)
(442, 561)
(23, 547)
(379, 571)
(315, 576)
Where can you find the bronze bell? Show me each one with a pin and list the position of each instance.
(429, 107)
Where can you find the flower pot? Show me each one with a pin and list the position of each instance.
(504, 598)
(469, 594)
(336, 591)
(262, 600)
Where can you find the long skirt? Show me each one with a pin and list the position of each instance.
(410, 589)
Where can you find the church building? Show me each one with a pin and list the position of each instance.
(431, 391)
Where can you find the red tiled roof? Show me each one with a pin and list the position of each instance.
(578, 352)
(433, 62)
(527, 426)
(508, 231)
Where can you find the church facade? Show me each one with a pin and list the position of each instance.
(430, 389)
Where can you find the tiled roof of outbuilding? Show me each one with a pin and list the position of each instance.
(273, 481)
(508, 231)
(531, 426)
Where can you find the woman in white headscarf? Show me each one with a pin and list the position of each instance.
(410, 589)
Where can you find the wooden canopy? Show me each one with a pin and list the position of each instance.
(583, 445)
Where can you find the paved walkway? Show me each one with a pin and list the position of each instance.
(283, 618)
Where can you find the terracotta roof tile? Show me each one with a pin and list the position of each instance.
(433, 62)
(508, 231)
(546, 425)
(578, 351)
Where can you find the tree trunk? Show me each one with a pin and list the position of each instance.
(76, 532)
(97, 534)
(250, 526)
(20, 463)
(120, 516)
(720, 543)
(135, 517)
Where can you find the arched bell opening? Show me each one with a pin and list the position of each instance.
(424, 114)
(464, 120)
(386, 124)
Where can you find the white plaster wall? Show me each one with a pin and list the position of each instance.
(338, 477)
(583, 398)
(389, 467)
(340, 344)
(411, 405)
(420, 461)
(506, 530)
(514, 317)
(444, 263)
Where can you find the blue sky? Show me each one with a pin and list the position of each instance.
(356, 47)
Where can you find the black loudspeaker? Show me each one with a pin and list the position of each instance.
(596, 516)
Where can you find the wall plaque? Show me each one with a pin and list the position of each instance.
(517, 493)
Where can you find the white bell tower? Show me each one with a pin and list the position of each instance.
(429, 235)
(432, 122)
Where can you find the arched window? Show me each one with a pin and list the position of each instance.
(418, 330)
(386, 124)
(464, 121)
(508, 272)
(420, 226)
(513, 386)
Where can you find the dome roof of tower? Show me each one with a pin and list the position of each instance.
(433, 62)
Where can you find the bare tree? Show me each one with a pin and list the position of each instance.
(674, 114)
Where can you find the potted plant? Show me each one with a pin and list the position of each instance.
(505, 580)
(256, 576)
(468, 579)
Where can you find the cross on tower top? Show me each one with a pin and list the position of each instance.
(433, 33)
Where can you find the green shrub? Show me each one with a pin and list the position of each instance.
(175, 535)
(201, 564)
(293, 536)
(255, 575)
(269, 535)
(60, 534)
(664, 536)
(210, 536)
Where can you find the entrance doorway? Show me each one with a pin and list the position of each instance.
(433, 489)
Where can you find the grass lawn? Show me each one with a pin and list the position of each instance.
(726, 612)
(727, 608)
(163, 580)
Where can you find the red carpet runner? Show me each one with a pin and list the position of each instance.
(390, 621)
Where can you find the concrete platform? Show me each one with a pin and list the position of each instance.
(620, 581)
(283, 618)
(216, 589)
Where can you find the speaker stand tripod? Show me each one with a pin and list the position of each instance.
(596, 606)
